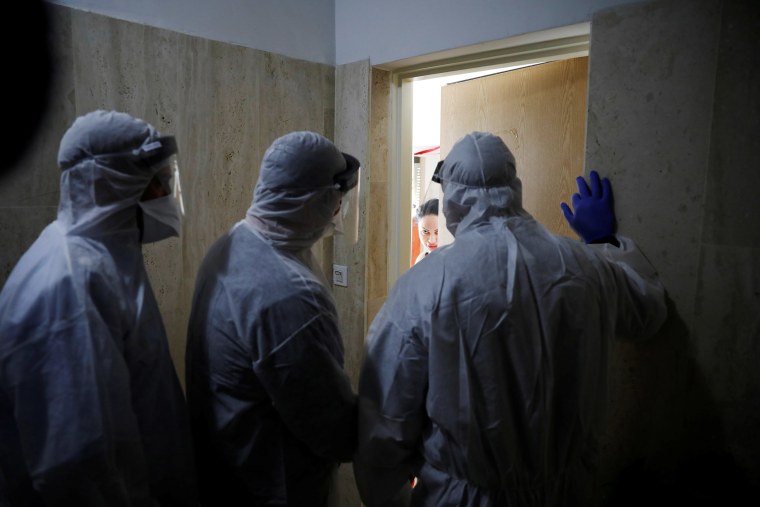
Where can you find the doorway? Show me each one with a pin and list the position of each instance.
(426, 145)
(545, 48)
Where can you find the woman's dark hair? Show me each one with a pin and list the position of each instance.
(429, 207)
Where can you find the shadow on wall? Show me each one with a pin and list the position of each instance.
(705, 479)
(29, 85)
(666, 443)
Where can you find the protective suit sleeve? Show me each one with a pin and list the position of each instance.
(641, 296)
(392, 393)
(304, 377)
(69, 388)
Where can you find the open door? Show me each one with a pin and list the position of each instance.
(540, 113)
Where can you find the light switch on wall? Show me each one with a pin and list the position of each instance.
(340, 275)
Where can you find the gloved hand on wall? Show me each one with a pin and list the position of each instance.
(594, 216)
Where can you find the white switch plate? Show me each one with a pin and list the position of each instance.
(340, 275)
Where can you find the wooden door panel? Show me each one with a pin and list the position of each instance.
(540, 113)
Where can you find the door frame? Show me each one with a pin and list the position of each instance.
(549, 45)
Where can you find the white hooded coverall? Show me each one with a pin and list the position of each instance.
(91, 409)
(273, 412)
(485, 370)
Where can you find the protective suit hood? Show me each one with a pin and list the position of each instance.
(479, 182)
(104, 172)
(297, 192)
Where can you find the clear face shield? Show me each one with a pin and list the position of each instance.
(346, 219)
(430, 213)
(162, 207)
(162, 154)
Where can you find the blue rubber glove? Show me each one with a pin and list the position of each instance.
(594, 217)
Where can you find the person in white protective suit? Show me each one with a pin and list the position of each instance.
(91, 409)
(485, 369)
(272, 410)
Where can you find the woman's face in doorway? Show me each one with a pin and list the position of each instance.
(428, 230)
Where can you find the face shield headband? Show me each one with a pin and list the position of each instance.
(154, 152)
(347, 179)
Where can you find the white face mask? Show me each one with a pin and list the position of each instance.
(335, 226)
(161, 219)
(337, 221)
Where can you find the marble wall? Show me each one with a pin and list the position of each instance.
(377, 227)
(225, 104)
(352, 98)
(29, 192)
(673, 103)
